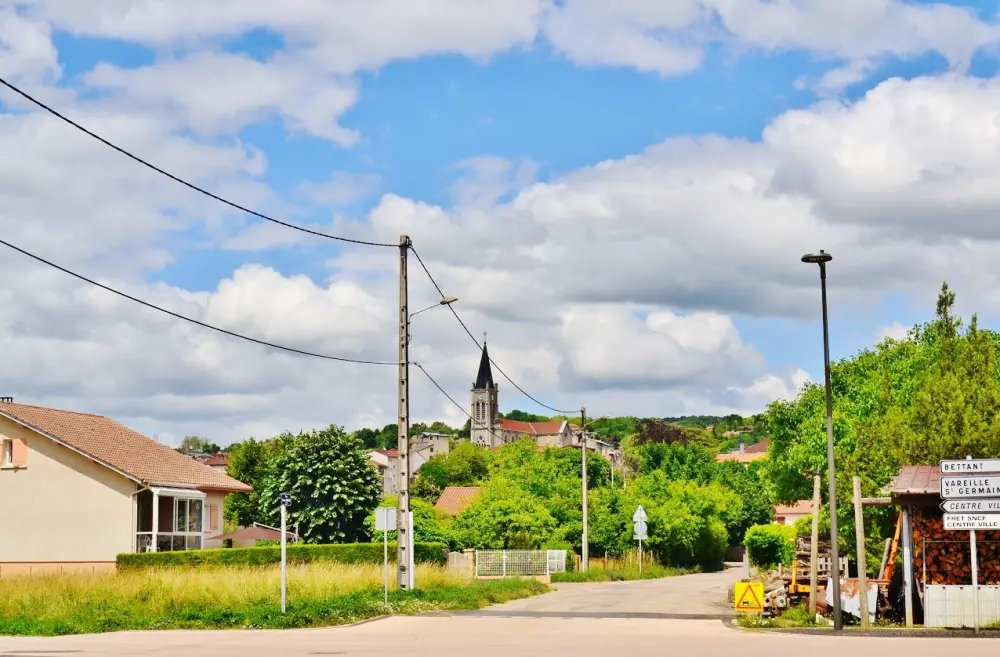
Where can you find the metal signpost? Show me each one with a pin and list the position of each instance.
(971, 492)
(385, 522)
(284, 499)
(639, 530)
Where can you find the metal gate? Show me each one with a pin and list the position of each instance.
(519, 563)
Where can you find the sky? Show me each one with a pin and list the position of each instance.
(618, 194)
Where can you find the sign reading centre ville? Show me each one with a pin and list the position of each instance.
(971, 506)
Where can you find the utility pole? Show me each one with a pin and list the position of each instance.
(403, 528)
(584, 551)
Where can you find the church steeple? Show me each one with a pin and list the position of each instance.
(484, 380)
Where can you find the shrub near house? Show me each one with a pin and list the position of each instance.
(350, 553)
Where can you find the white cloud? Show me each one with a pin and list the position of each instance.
(896, 331)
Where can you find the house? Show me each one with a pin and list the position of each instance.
(455, 499)
(745, 454)
(218, 461)
(248, 536)
(79, 489)
(422, 449)
(788, 514)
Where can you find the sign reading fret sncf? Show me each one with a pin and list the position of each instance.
(967, 486)
(971, 466)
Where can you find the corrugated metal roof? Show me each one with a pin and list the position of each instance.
(917, 480)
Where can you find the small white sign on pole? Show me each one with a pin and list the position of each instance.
(639, 530)
(385, 522)
(971, 506)
(972, 521)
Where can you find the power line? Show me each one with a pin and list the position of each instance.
(473, 420)
(293, 350)
(177, 179)
(455, 313)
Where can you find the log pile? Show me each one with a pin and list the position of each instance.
(947, 552)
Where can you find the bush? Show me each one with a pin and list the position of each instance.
(349, 553)
(769, 546)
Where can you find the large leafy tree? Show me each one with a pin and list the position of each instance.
(198, 445)
(505, 518)
(332, 484)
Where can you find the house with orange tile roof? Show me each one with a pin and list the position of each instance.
(746, 454)
(79, 489)
(455, 499)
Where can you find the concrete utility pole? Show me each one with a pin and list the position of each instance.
(584, 551)
(403, 528)
(859, 533)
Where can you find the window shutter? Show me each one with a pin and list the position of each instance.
(213, 517)
(20, 453)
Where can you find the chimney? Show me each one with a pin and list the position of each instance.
(743, 447)
(6, 400)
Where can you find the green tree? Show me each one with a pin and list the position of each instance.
(198, 445)
(332, 485)
(430, 525)
(247, 463)
(504, 517)
(465, 465)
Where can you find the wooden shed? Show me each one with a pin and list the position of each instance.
(937, 564)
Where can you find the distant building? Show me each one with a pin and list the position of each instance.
(422, 449)
(248, 536)
(455, 499)
(744, 454)
(787, 515)
(487, 430)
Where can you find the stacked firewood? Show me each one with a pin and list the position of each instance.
(947, 554)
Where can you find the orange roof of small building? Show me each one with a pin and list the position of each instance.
(455, 499)
(758, 448)
(215, 459)
(917, 480)
(801, 507)
(533, 428)
(117, 447)
(255, 533)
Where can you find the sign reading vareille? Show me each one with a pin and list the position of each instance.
(966, 486)
(971, 466)
(971, 521)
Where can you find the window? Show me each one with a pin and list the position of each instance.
(7, 458)
(187, 516)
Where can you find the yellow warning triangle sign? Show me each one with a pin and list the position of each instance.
(749, 596)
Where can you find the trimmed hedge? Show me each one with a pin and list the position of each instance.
(435, 553)
(769, 546)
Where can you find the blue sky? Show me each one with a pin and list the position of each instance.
(686, 249)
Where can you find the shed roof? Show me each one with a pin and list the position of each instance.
(455, 499)
(917, 480)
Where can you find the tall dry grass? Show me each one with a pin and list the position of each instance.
(318, 593)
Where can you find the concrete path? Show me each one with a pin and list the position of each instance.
(689, 596)
(463, 636)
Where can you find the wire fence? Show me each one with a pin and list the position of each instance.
(519, 563)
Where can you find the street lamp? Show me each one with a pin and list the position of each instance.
(821, 259)
(584, 545)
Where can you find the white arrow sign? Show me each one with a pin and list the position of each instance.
(963, 487)
(971, 506)
(969, 521)
(640, 514)
(971, 466)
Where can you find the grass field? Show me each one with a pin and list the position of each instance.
(318, 594)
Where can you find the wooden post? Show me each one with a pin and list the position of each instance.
(814, 549)
(907, 566)
(859, 530)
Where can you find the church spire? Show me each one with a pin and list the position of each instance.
(484, 380)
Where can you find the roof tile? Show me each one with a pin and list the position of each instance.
(121, 448)
(455, 499)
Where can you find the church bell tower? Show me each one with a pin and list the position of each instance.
(485, 429)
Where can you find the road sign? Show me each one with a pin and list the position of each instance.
(639, 524)
(749, 597)
(971, 521)
(971, 506)
(385, 519)
(971, 466)
(966, 486)
(284, 499)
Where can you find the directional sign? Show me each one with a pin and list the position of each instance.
(971, 506)
(749, 597)
(971, 466)
(966, 486)
(385, 519)
(284, 499)
(968, 521)
(640, 514)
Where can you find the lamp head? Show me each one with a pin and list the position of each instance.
(817, 258)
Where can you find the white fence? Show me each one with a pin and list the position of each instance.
(951, 606)
(519, 563)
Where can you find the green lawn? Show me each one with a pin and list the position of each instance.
(318, 595)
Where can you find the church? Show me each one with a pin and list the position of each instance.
(489, 431)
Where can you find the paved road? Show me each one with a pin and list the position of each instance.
(689, 596)
(461, 636)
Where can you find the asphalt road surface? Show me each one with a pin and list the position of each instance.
(701, 596)
(461, 636)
